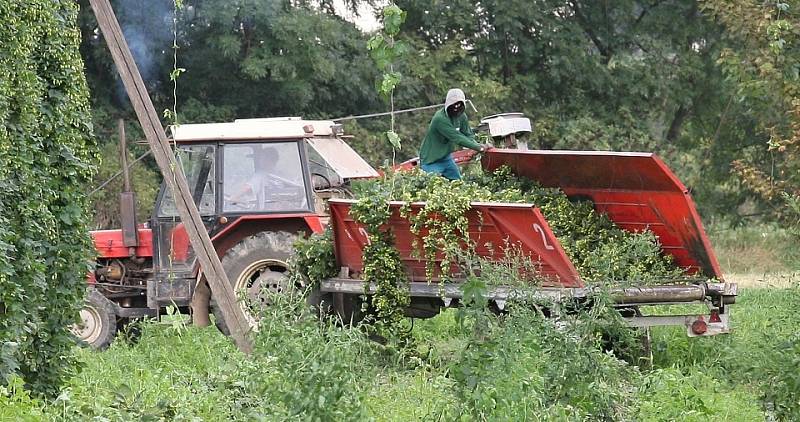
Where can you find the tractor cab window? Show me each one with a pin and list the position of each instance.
(197, 162)
(323, 175)
(264, 177)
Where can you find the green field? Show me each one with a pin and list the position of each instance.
(523, 372)
(522, 367)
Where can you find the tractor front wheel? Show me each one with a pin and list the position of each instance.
(98, 321)
(257, 264)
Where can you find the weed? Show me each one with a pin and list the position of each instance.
(669, 394)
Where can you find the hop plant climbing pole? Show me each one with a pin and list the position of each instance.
(173, 174)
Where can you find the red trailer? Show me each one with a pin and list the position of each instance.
(636, 190)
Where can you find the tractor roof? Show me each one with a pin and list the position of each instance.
(252, 129)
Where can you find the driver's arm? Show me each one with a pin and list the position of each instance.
(246, 189)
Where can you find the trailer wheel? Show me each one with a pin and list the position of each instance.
(256, 264)
(98, 321)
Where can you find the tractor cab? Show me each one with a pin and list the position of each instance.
(247, 177)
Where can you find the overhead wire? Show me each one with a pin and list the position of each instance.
(387, 113)
(119, 173)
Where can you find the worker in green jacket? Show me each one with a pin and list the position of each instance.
(449, 129)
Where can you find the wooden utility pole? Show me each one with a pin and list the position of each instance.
(173, 174)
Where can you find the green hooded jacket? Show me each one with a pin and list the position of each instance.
(445, 135)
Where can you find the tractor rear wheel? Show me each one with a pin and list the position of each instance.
(98, 321)
(257, 264)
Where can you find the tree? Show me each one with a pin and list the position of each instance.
(273, 58)
(241, 59)
(46, 156)
(763, 63)
(623, 75)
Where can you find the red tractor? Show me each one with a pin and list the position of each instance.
(258, 183)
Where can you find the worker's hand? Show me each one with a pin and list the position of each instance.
(486, 147)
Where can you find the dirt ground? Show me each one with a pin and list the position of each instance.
(764, 279)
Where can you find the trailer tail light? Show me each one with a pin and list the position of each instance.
(714, 317)
(699, 327)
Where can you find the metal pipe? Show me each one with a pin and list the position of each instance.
(127, 199)
(679, 293)
(659, 294)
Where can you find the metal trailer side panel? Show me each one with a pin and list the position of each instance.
(636, 190)
(493, 229)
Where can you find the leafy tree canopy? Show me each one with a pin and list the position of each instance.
(647, 75)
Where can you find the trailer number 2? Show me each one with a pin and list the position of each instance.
(537, 228)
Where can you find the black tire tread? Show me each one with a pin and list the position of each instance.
(108, 318)
(278, 244)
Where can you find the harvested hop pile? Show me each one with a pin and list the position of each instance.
(601, 251)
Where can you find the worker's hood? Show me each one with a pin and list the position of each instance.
(453, 96)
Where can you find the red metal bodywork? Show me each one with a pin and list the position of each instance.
(636, 190)
(492, 228)
(109, 243)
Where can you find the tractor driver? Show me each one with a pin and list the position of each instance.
(449, 129)
(264, 161)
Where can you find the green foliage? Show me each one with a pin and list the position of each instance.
(105, 202)
(761, 63)
(188, 374)
(267, 59)
(521, 365)
(382, 266)
(17, 404)
(313, 260)
(385, 52)
(394, 139)
(754, 355)
(601, 251)
(783, 393)
(301, 369)
(618, 76)
(547, 368)
(315, 368)
(669, 394)
(756, 249)
(393, 18)
(46, 157)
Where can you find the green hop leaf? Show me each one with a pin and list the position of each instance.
(390, 81)
(394, 139)
(393, 17)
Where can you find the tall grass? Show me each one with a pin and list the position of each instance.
(761, 355)
(517, 367)
(755, 249)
